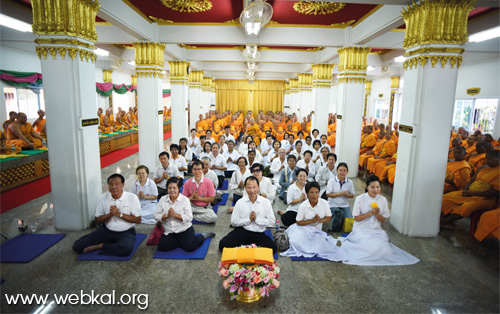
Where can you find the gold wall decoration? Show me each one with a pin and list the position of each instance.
(287, 88)
(354, 58)
(305, 79)
(316, 7)
(196, 79)
(394, 82)
(42, 51)
(434, 59)
(344, 80)
(107, 75)
(368, 87)
(436, 22)
(473, 91)
(148, 72)
(423, 50)
(294, 85)
(74, 18)
(133, 78)
(207, 83)
(322, 75)
(188, 6)
(179, 72)
(149, 54)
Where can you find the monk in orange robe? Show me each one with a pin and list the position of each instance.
(377, 149)
(121, 121)
(488, 138)
(391, 174)
(40, 121)
(21, 134)
(368, 140)
(456, 142)
(254, 131)
(12, 118)
(382, 168)
(307, 129)
(458, 172)
(489, 225)
(100, 115)
(464, 135)
(108, 122)
(480, 193)
(388, 149)
(294, 126)
(201, 126)
(332, 131)
(477, 158)
(471, 145)
(130, 118)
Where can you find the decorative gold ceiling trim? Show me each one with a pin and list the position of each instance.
(335, 25)
(120, 46)
(240, 47)
(103, 23)
(399, 30)
(367, 15)
(317, 8)
(479, 18)
(196, 47)
(381, 52)
(133, 7)
(188, 6)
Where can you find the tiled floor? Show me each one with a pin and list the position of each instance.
(455, 274)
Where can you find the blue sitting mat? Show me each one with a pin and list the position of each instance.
(94, 255)
(344, 234)
(215, 208)
(225, 185)
(184, 181)
(179, 253)
(301, 258)
(2, 281)
(269, 233)
(25, 247)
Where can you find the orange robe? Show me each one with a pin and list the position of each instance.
(268, 126)
(477, 160)
(460, 172)
(119, 125)
(391, 174)
(489, 225)
(295, 128)
(470, 149)
(26, 130)
(364, 158)
(368, 141)
(308, 128)
(388, 148)
(455, 203)
(494, 143)
(39, 126)
(382, 168)
(201, 128)
(101, 123)
(255, 132)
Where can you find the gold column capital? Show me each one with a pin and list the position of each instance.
(436, 22)
(305, 81)
(207, 83)
(196, 79)
(394, 82)
(179, 72)
(212, 86)
(353, 62)
(133, 78)
(149, 54)
(322, 75)
(368, 87)
(107, 75)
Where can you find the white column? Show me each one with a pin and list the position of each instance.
(294, 96)
(179, 81)
(195, 97)
(352, 68)
(322, 82)
(149, 66)
(394, 89)
(206, 94)
(305, 95)
(334, 96)
(68, 70)
(368, 92)
(429, 96)
(496, 127)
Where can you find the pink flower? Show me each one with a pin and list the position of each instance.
(266, 280)
(257, 279)
(237, 274)
(225, 284)
(233, 288)
(276, 283)
(251, 292)
(271, 275)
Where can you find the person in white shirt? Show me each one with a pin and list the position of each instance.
(277, 165)
(323, 158)
(285, 143)
(273, 154)
(339, 190)
(267, 189)
(315, 135)
(308, 145)
(118, 211)
(316, 150)
(218, 163)
(305, 237)
(243, 148)
(325, 173)
(231, 156)
(185, 151)
(199, 149)
(178, 160)
(290, 146)
(258, 155)
(298, 152)
(227, 134)
(252, 214)
(323, 139)
(308, 164)
(193, 141)
(294, 197)
(300, 138)
(237, 183)
(163, 173)
(147, 192)
(368, 244)
(175, 214)
(265, 148)
(222, 144)
(209, 137)
(207, 172)
(207, 150)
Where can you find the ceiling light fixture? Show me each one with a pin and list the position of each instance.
(18, 25)
(255, 16)
(101, 52)
(485, 35)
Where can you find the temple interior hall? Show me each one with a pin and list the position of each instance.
(108, 85)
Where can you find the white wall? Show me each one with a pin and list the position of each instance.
(379, 86)
(13, 59)
(484, 75)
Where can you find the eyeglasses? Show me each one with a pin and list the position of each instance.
(256, 170)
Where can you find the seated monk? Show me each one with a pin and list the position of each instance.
(201, 126)
(471, 145)
(254, 131)
(218, 130)
(382, 168)
(374, 151)
(388, 149)
(477, 158)
(21, 134)
(307, 129)
(489, 225)
(464, 135)
(376, 127)
(368, 140)
(458, 172)
(453, 136)
(43, 132)
(332, 132)
(108, 122)
(100, 115)
(268, 125)
(488, 138)
(165, 114)
(480, 193)
(121, 121)
(12, 118)
(294, 126)
(456, 142)
(40, 121)
(129, 116)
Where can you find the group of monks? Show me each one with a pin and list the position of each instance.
(18, 133)
(124, 120)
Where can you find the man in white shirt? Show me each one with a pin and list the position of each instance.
(119, 211)
(265, 148)
(227, 134)
(199, 149)
(277, 165)
(251, 215)
(163, 173)
(324, 143)
(193, 141)
(231, 156)
(178, 160)
(218, 163)
(207, 172)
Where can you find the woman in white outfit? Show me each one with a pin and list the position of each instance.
(147, 192)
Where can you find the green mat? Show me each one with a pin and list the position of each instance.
(117, 132)
(24, 152)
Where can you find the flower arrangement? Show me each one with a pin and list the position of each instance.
(249, 281)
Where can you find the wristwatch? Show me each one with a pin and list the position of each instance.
(121, 215)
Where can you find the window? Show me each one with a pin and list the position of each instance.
(23, 100)
(475, 114)
(381, 109)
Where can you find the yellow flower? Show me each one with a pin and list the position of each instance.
(374, 205)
